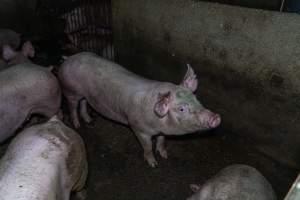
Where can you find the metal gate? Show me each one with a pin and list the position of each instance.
(87, 24)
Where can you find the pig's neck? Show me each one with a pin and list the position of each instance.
(18, 59)
(142, 109)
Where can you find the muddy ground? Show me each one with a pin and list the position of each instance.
(117, 170)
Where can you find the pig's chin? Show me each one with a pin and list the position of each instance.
(203, 127)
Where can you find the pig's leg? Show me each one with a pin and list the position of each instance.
(146, 142)
(160, 146)
(73, 102)
(84, 112)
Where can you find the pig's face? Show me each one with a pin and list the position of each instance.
(28, 49)
(181, 110)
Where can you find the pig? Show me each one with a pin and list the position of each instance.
(45, 162)
(26, 89)
(10, 37)
(149, 107)
(17, 57)
(235, 182)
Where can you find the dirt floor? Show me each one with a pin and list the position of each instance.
(117, 170)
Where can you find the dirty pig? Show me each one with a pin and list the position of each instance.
(45, 162)
(149, 107)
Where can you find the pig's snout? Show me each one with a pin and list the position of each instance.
(209, 119)
(214, 121)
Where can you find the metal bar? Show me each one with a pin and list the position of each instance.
(88, 24)
(282, 4)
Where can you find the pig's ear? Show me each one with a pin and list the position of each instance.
(162, 105)
(8, 53)
(28, 49)
(190, 79)
(195, 187)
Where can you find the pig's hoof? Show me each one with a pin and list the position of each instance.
(163, 153)
(91, 125)
(87, 119)
(153, 164)
(76, 124)
(151, 161)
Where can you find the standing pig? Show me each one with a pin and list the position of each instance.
(236, 182)
(44, 162)
(26, 89)
(9, 37)
(17, 57)
(148, 107)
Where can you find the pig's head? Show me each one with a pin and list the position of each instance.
(180, 109)
(28, 49)
(16, 57)
(8, 52)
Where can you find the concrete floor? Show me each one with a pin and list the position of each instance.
(117, 170)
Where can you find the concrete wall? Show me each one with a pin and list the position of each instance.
(247, 61)
(261, 4)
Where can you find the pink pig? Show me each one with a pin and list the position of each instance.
(149, 107)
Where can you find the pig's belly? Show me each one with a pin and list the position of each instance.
(105, 108)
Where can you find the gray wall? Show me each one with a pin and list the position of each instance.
(247, 61)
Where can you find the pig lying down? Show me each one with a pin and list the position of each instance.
(148, 107)
(26, 89)
(44, 162)
(236, 182)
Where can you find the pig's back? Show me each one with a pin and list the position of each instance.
(34, 166)
(18, 81)
(88, 66)
(108, 87)
(239, 182)
(26, 170)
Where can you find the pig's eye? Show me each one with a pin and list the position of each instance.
(183, 108)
